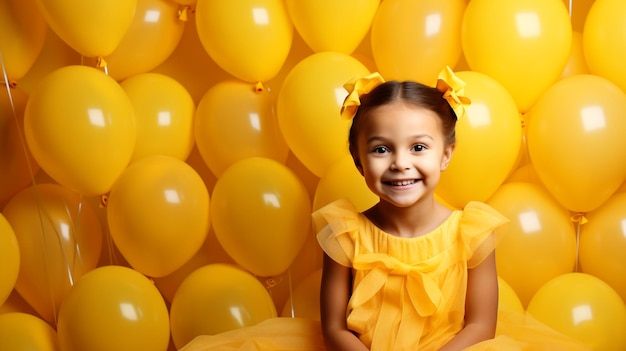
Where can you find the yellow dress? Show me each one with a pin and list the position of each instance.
(408, 293)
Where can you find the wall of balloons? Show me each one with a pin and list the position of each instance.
(160, 159)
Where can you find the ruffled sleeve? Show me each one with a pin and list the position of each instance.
(335, 225)
(477, 226)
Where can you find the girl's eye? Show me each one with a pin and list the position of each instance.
(419, 147)
(380, 150)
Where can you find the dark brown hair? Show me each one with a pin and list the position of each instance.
(410, 92)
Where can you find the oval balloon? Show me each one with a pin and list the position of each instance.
(579, 110)
(80, 127)
(22, 332)
(9, 259)
(59, 238)
(502, 39)
(232, 297)
(328, 25)
(93, 28)
(603, 243)
(164, 114)
(22, 36)
(583, 307)
(261, 221)
(604, 41)
(249, 39)
(151, 38)
(489, 138)
(308, 108)
(539, 242)
(234, 122)
(413, 40)
(113, 308)
(175, 201)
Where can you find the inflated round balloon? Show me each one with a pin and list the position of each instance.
(261, 214)
(583, 307)
(9, 259)
(80, 127)
(22, 36)
(507, 297)
(414, 39)
(579, 110)
(164, 115)
(489, 138)
(158, 214)
(504, 38)
(113, 308)
(233, 122)
(217, 298)
(151, 38)
(22, 332)
(603, 243)
(604, 40)
(308, 108)
(539, 242)
(343, 180)
(59, 238)
(329, 25)
(249, 39)
(16, 162)
(93, 28)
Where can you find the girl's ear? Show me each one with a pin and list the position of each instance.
(447, 156)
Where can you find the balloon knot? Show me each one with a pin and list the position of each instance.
(523, 121)
(104, 201)
(101, 63)
(12, 84)
(259, 88)
(579, 218)
(182, 13)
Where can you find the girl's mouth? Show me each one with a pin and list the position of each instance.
(403, 182)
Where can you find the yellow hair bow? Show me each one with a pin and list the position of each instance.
(356, 87)
(453, 88)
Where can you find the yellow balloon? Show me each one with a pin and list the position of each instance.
(261, 215)
(577, 63)
(413, 40)
(80, 127)
(59, 238)
(113, 308)
(9, 259)
(250, 39)
(489, 138)
(233, 122)
(308, 108)
(504, 39)
(22, 36)
(23, 332)
(539, 242)
(507, 297)
(328, 25)
(343, 180)
(603, 243)
(93, 28)
(579, 110)
(604, 40)
(16, 162)
(146, 218)
(164, 114)
(217, 298)
(151, 38)
(583, 307)
(304, 301)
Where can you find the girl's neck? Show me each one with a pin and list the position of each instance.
(416, 220)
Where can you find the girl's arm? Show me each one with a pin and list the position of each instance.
(481, 306)
(334, 295)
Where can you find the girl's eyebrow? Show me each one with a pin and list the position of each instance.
(377, 138)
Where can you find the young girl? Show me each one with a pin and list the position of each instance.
(408, 273)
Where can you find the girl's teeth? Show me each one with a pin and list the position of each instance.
(404, 182)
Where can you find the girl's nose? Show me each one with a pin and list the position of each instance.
(400, 162)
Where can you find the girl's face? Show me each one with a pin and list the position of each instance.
(402, 152)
